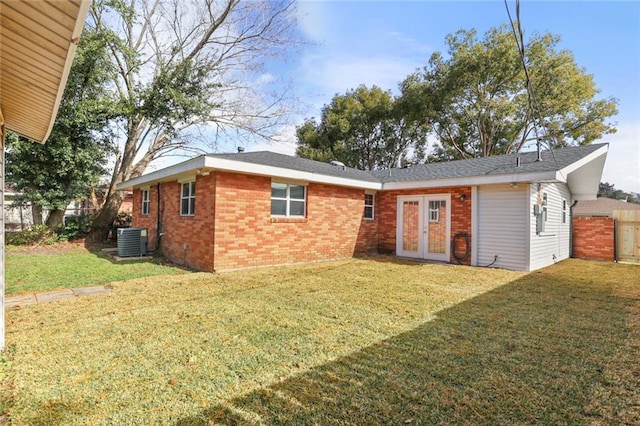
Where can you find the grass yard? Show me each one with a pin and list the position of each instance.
(70, 266)
(366, 341)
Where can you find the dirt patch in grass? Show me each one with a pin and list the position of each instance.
(352, 342)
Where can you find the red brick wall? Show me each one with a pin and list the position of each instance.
(388, 207)
(146, 221)
(187, 240)
(593, 238)
(247, 235)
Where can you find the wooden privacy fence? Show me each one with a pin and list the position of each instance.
(628, 235)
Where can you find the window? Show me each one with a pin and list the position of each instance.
(188, 199)
(146, 201)
(434, 211)
(288, 200)
(368, 206)
(564, 211)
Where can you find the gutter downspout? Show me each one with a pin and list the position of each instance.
(158, 221)
(571, 228)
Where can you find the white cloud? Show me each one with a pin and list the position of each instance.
(623, 159)
(283, 143)
(335, 74)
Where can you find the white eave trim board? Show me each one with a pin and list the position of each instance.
(164, 174)
(212, 163)
(551, 176)
(279, 172)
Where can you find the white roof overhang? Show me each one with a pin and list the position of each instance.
(204, 164)
(583, 177)
(38, 40)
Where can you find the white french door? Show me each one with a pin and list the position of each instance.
(424, 226)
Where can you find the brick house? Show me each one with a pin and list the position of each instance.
(229, 211)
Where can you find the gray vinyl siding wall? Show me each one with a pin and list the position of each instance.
(554, 241)
(503, 226)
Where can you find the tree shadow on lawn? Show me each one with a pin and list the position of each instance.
(539, 350)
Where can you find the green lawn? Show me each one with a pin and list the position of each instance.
(366, 341)
(69, 267)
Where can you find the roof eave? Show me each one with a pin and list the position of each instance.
(206, 163)
(73, 46)
(473, 180)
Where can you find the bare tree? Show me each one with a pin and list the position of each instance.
(181, 68)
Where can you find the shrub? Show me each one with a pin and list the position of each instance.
(75, 227)
(38, 234)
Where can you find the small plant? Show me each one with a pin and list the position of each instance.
(123, 220)
(38, 234)
(75, 227)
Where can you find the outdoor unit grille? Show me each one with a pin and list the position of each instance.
(132, 242)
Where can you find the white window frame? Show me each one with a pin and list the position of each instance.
(434, 214)
(288, 199)
(191, 206)
(146, 202)
(371, 205)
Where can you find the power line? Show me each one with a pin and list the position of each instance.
(534, 107)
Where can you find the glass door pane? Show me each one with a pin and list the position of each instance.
(437, 227)
(411, 226)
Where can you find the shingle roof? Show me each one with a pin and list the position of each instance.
(267, 158)
(603, 206)
(498, 165)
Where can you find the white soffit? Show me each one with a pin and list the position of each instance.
(38, 40)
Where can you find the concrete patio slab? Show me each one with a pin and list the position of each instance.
(55, 295)
(11, 302)
(23, 299)
(91, 291)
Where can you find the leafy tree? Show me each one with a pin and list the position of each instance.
(364, 128)
(181, 66)
(608, 190)
(52, 175)
(476, 97)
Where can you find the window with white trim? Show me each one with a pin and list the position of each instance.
(188, 199)
(288, 200)
(368, 206)
(146, 201)
(434, 211)
(564, 211)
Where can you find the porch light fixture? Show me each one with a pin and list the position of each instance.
(463, 197)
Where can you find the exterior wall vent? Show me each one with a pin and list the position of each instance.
(132, 242)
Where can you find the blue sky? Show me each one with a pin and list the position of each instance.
(380, 42)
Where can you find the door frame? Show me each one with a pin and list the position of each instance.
(423, 205)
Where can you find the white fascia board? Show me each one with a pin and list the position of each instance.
(475, 180)
(226, 165)
(585, 160)
(163, 175)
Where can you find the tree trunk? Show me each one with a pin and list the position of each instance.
(104, 220)
(55, 219)
(36, 214)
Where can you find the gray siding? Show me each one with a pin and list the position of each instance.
(503, 226)
(552, 245)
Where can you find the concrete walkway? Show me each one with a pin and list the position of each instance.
(11, 302)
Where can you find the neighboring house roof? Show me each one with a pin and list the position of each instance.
(39, 40)
(580, 167)
(603, 206)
